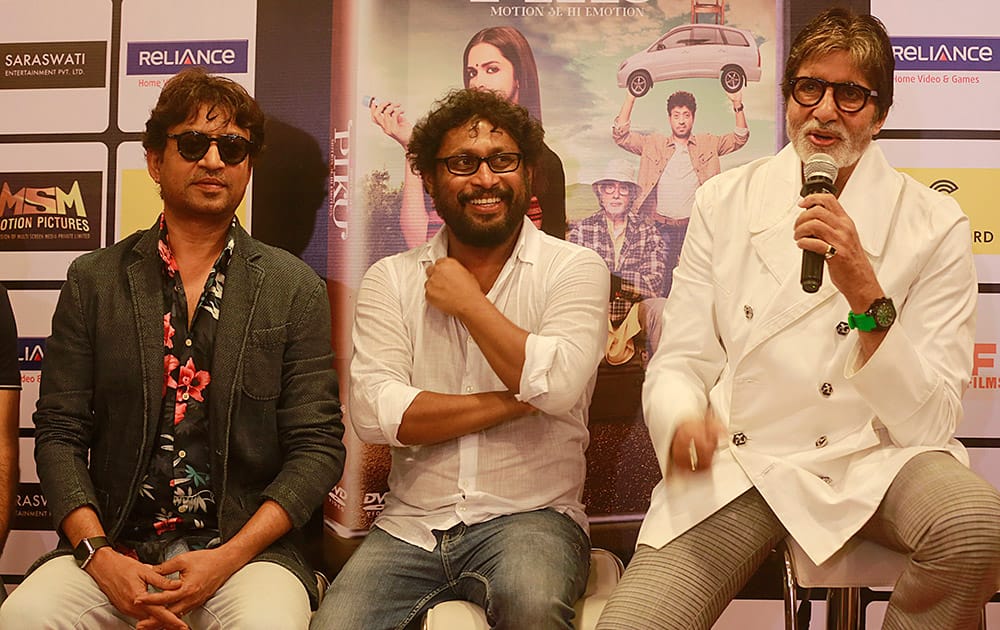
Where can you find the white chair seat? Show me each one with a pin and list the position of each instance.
(859, 563)
(605, 571)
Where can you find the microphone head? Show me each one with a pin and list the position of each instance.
(820, 166)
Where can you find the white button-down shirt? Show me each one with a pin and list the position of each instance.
(555, 290)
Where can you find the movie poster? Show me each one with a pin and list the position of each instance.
(600, 77)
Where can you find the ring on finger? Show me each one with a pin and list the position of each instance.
(830, 252)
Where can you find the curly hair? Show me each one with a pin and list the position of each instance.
(863, 37)
(462, 106)
(191, 88)
(682, 99)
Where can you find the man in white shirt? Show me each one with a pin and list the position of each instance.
(672, 167)
(475, 356)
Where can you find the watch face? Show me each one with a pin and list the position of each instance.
(884, 313)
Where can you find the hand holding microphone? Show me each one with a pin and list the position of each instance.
(819, 174)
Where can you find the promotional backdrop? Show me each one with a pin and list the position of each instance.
(77, 82)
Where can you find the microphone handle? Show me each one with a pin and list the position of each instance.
(812, 271)
(811, 277)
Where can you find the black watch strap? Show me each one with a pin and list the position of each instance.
(86, 548)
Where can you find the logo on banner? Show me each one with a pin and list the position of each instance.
(225, 56)
(45, 65)
(32, 510)
(972, 188)
(30, 352)
(975, 54)
(984, 358)
(945, 186)
(56, 211)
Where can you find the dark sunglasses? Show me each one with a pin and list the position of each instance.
(849, 97)
(193, 145)
(465, 164)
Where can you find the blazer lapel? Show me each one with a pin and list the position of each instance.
(146, 287)
(239, 300)
(774, 203)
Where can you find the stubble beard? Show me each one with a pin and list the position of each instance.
(467, 229)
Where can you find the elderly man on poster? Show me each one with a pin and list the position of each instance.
(475, 356)
(775, 412)
(636, 256)
(188, 421)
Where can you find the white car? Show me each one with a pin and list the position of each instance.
(694, 51)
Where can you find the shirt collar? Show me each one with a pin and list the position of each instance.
(526, 249)
(167, 254)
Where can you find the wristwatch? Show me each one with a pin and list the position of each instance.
(738, 108)
(879, 316)
(86, 548)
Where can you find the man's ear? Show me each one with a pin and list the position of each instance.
(153, 161)
(428, 184)
(877, 126)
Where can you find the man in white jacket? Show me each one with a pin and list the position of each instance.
(825, 415)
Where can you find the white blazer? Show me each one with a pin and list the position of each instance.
(820, 436)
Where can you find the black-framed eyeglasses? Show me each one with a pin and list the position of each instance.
(464, 164)
(849, 97)
(193, 145)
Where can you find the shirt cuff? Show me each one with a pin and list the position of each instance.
(890, 389)
(539, 354)
(393, 401)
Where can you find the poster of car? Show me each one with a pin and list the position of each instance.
(600, 78)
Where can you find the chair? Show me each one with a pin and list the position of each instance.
(714, 7)
(858, 565)
(605, 571)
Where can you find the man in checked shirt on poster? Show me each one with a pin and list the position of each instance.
(475, 357)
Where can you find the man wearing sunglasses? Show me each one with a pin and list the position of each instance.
(636, 255)
(821, 416)
(188, 421)
(474, 358)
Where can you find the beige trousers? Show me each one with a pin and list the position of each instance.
(937, 510)
(59, 596)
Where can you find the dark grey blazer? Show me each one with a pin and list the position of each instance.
(274, 414)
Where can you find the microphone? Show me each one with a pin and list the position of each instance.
(819, 173)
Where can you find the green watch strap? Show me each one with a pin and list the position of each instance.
(862, 321)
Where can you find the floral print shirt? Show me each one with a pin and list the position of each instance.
(175, 496)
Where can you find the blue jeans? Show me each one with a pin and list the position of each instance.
(526, 570)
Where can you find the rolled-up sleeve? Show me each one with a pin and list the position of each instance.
(561, 357)
(382, 364)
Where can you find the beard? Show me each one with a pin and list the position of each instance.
(477, 231)
(845, 153)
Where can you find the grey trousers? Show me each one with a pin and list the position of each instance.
(936, 509)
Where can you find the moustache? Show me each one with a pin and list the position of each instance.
(830, 129)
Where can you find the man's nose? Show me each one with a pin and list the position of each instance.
(212, 160)
(484, 175)
(826, 109)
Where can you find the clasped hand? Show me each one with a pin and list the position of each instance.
(199, 574)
